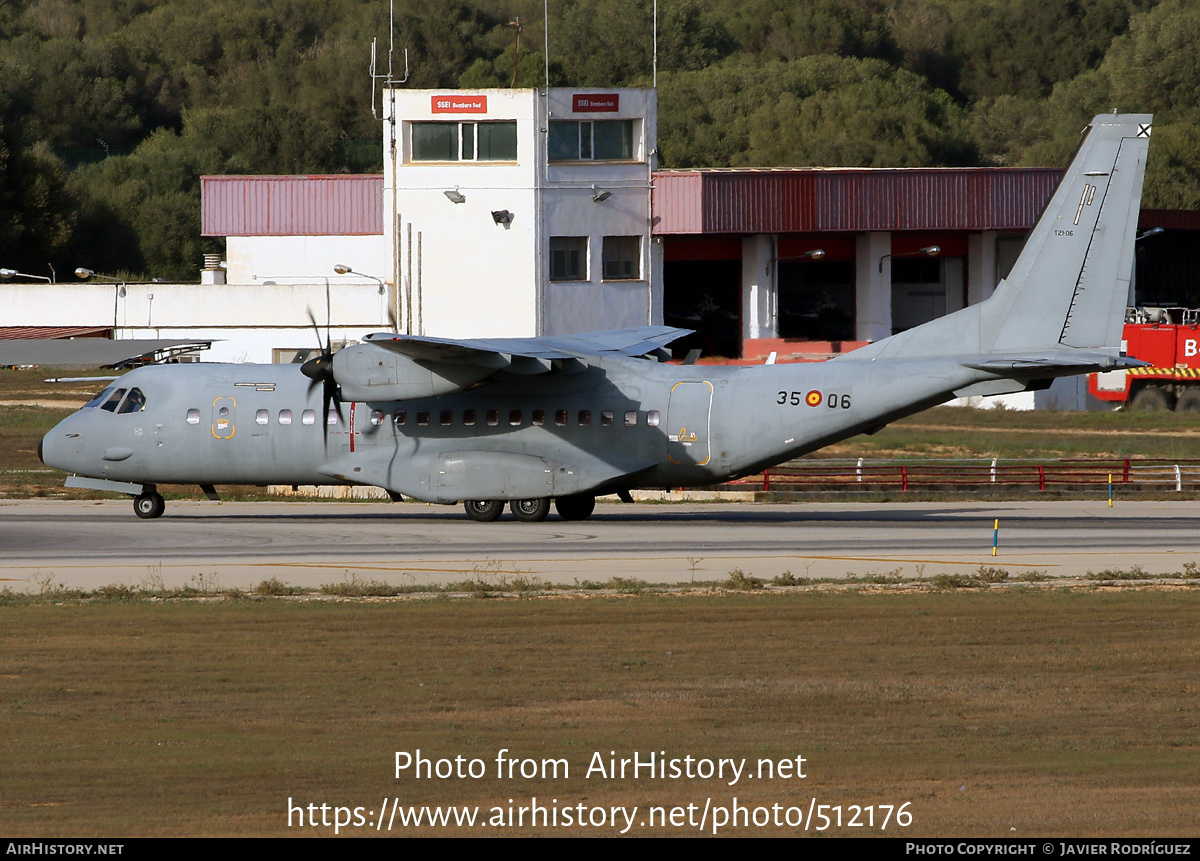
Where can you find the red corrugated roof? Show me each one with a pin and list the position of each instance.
(799, 200)
(337, 205)
(24, 333)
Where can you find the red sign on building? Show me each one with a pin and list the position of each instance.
(459, 104)
(595, 102)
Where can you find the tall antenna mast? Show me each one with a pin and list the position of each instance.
(654, 75)
(389, 80)
(546, 35)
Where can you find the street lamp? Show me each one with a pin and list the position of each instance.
(928, 250)
(11, 273)
(343, 269)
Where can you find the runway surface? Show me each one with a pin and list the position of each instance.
(91, 544)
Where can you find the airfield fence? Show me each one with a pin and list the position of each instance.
(926, 474)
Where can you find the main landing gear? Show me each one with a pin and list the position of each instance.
(578, 506)
(149, 505)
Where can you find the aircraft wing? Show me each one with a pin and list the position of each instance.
(506, 353)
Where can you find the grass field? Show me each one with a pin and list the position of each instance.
(1029, 712)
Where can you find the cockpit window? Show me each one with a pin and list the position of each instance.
(134, 403)
(113, 400)
(100, 398)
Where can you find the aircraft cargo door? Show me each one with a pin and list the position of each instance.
(688, 423)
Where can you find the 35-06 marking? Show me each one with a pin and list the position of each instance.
(815, 398)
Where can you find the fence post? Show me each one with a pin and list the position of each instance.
(1041, 477)
(993, 470)
(1126, 475)
(904, 478)
(859, 470)
(1178, 479)
(766, 480)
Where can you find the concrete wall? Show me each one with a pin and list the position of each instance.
(246, 321)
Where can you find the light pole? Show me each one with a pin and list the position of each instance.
(12, 273)
(84, 274)
(343, 269)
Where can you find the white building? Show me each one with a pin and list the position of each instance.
(521, 212)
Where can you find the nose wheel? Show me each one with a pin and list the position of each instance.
(149, 505)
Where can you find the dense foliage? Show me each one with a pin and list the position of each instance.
(110, 110)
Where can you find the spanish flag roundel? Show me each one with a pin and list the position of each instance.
(813, 398)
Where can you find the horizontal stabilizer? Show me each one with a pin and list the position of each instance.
(1073, 362)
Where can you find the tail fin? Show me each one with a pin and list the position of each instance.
(1062, 306)
(1070, 284)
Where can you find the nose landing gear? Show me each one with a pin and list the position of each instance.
(149, 505)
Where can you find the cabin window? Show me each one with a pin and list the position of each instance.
(98, 399)
(514, 418)
(630, 418)
(560, 418)
(585, 418)
(376, 418)
(652, 418)
(193, 417)
(493, 418)
(400, 417)
(115, 398)
(308, 417)
(285, 417)
(606, 418)
(134, 403)
(261, 417)
(423, 418)
(469, 417)
(334, 418)
(447, 417)
(539, 417)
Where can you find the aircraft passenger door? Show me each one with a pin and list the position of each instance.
(688, 420)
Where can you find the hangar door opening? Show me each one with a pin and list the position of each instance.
(924, 289)
(816, 300)
(705, 295)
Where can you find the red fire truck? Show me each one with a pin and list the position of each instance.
(1169, 339)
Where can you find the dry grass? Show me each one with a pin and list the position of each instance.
(1048, 712)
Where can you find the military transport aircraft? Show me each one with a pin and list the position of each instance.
(529, 420)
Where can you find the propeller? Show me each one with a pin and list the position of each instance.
(320, 371)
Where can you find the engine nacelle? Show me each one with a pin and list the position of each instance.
(369, 373)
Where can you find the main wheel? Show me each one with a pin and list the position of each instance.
(1151, 400)
(483, 510)
(1189, 402)
(577, 506)
(530, 510)
(149, 505)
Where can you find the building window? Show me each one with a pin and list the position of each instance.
(599, 140)
(464, 141)
(568, 258)
(621, 258)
